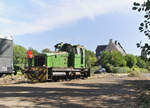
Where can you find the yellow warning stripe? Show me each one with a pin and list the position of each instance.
(42, 77)
(38, 74)
(39, 77)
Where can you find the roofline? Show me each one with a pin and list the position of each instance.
(8, 37)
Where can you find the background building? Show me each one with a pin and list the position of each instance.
(112, 46)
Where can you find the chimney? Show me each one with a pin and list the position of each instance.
(115, 42)
(110, 41)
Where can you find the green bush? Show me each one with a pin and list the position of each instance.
(131, 60)
(113, 69)
(105, 59)
(148, 67)
(121, 70)
(113, 58)
(19, 54)
(94, 69)
(115, 62)
(137, 71)
(142, 70)
(141, 63)
(134, 74)
(109, 68)
(117, 59)
(90, 58)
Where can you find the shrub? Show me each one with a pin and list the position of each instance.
(117, 59)
(90, 58)
(148, 67)
(141, 63)
(105, 59)
(134, 74)
(94, 69)
(114, 58)
(131, 60)
(142, 70)
(121, 70)
(137, 72)
(113, 69)
(109, 68)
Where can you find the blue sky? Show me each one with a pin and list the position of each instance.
(43, 23)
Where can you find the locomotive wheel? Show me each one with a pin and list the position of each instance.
(55, 78)
(1, 74)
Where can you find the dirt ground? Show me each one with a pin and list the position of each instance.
(99, 91)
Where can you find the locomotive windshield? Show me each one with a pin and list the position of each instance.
(40, 60)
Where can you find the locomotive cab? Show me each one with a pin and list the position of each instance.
(40, 60)
(78, 57)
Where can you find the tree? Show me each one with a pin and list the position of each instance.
(105, 58)
(144, 25)
(113, 58)
(117, 59)
(19, 56)
(46, 50)
(90, 58)
(141, 63)
(131, 60)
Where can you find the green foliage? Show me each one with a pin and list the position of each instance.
(19, 54)
(134, 74)
(141, 63)
(115, 62)
(140, 70)
(131, 60)
(90, 58)
(137, 72)
(19, 57)
(148, 67)
(93, 69)
(132, 71)
(117, 59)
(145, 24)
(109, 67)
(113, 69)
(46, 50)
(105, 59)
(121, 69)
(114, 58)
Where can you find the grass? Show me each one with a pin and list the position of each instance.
(134, 74)
(137, 72)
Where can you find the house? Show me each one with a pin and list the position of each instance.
(112, 46)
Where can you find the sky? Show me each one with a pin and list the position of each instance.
(43, 23)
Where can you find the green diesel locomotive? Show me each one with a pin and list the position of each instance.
(68, 61)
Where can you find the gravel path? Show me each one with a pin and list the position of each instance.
(99, 91)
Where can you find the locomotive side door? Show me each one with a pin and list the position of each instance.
(77, 58)
(82, 52)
